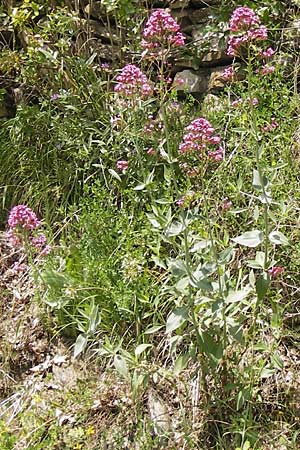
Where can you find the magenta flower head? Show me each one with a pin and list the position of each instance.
(267, 69)
(122, 165)
(245, 23)
(161, 30)
(24, 217)
(267, 53)
(199, 134)
(276, 271)
(243, 19)
(228, 73)
(132, 81)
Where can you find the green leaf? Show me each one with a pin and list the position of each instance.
(277, 238)
(250, 238)
(150, 177)
(246, 446)
(237, 296)
(80, 345)
(225, 256)
(211, 347)
(139, 187)
(180, 363)
(115, 174)
(177, 267)
(177, 318)
(54, 279)
(153, 220)
(121, 365)
(141, 348)
(267, 373)
(260, 182)
(163, 201)
(277, 362)
(182, 284)
(153, 329)
(262, 285)
(175, 228)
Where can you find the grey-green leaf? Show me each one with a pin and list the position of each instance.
(250, 238)
(176, 319)
(277, 238)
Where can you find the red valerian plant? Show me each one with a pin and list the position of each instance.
(247, 28)
(23, 223)
(200, 136)
(162, 31)
(132, 81)
(23, 217)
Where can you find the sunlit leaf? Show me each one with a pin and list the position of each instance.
(250, 238)
(277, 238)
(141, 348)
(176, 318)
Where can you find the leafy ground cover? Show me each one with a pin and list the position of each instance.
(149, 266)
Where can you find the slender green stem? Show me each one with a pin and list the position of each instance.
(215, 253)
(258, 153)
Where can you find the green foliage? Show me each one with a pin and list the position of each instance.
(151, 261)
(104, 283)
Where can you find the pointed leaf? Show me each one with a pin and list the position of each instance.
(177, 267)
(80, 345)
(262, 285)
(115, 174)
(175, 228)
(277, 238)
(180, 363)
(139, 187)
(141, 348)
(250, 238)
(176, 319)
(153, 329)
(121, 365)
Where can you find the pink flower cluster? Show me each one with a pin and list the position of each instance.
(243, 18)
(132, 81)
(122, 165)
(270, 126)
(22, 220)
(247, 25)
(267, 53)
(161, 30)
(200, 134)
(276, 271)
(24, 217)
(40, 243)
(153, 125)
(236, 103)
(228, 73)
(267, 69)
(226, 204)
(186, 200)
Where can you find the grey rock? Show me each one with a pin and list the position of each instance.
(216, 80)
(211, 47)
(212, 103)
(186, 62)
(95, 9)
(191, 82)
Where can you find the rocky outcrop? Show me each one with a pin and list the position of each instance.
(196, 68)
(198, 64)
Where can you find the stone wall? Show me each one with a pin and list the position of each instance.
(199, 64)
(202, 61)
